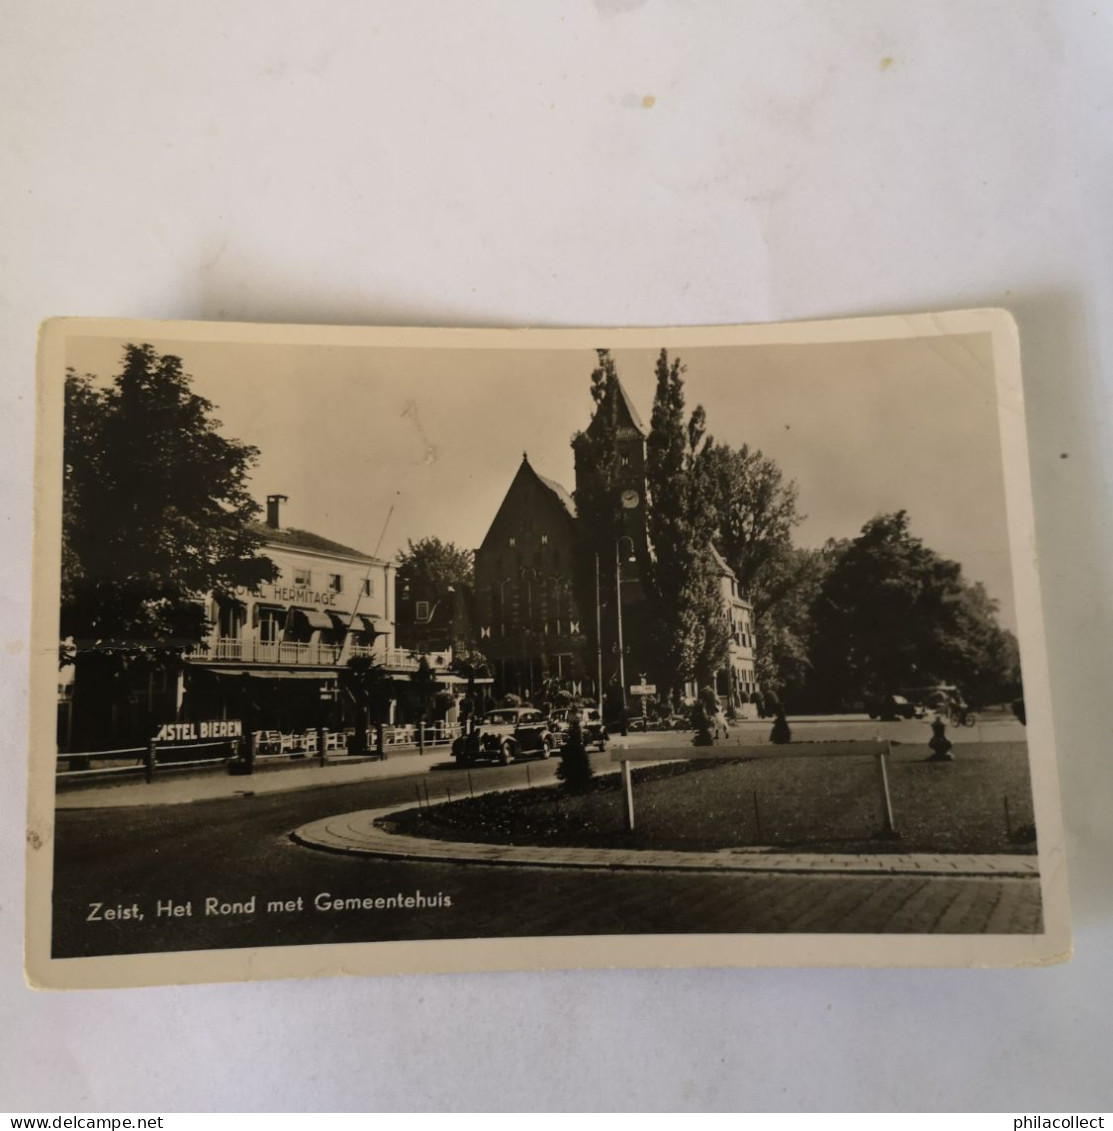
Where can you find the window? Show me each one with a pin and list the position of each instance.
(544, 539)
(421, 611)
(368, 587)
(336, 582)
(513, 542)
(624, 459)
(270, 627)
(303, 575)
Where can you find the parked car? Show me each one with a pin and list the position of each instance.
(891, 707)
(503, 735)
(591, 723)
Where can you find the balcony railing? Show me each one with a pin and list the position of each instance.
(300, 653)
(400, 659)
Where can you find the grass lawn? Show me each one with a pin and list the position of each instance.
(798, 804)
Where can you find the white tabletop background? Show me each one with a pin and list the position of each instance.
(616, 162)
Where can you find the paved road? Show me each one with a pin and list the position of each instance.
(131, 860)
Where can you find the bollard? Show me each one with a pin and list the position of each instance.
(150, 758)
(627, 797)
(940, 744)
(888, 829)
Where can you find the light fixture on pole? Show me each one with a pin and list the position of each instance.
(598, 637)
(618, 603)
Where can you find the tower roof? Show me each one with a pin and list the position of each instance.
(627, 421)
(528, 480)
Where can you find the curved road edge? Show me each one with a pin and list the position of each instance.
(357, 834)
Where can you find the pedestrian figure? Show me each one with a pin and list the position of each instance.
(940, 744)
(759, 702)
(781, 732)
(720, 727)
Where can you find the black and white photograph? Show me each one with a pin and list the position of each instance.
(700, 646)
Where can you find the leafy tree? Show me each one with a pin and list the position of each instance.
(755, 509)
(784, 596)
(893, 613)
(440, 564)
(597, 462)
(156, 509)
(156, 515)
(690, 623)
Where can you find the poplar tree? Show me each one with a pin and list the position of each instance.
(690, 627)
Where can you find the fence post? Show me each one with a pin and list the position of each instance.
(322, 742)
(150, 758)
(380, 746)
(421, 736)
(889, 828)
(251, 748)
(627, 796)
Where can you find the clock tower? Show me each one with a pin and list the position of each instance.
(624, 651)
(629, 438)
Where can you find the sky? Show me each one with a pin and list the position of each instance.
(378, 446)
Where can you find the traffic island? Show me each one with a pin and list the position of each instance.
(739, 807)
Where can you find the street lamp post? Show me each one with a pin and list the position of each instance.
(598, 638)
(618, 602)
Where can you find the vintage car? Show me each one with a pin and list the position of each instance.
(503, 735)
(591, 723)
(892, 707)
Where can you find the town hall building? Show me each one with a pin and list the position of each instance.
(549, 608)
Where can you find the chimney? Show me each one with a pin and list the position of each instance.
(274, 505)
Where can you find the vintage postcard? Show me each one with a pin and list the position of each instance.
(387, 650)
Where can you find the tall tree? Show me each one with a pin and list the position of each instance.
(784, 595)
(156, 509)
(440, 564)
(156, 515)
(690, 623)
(893, 613)
(755, 511)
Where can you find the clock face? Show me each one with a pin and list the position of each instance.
(630, 499)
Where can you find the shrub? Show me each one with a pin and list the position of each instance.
(575, 765)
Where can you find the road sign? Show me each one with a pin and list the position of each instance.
(643, 689)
